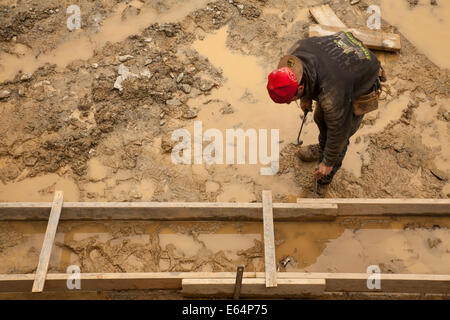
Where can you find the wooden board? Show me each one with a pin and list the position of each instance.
(47, 246)
(376, 40)
(253, 288)
(386, 207)
(269, 240)
(305, 209)
(325, 15)
(334, 282)
(166, 211)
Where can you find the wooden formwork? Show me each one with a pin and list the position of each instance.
(221, 284)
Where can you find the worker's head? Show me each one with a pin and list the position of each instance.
(284, 83)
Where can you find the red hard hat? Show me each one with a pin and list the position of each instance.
(282, 85)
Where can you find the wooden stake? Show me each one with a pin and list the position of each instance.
(269, 240)
(238, 283)
(46, 251)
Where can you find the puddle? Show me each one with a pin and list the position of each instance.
(426, 26)
(82, 45)
(352, 245)
(39, 189)
(357, 152)
(245, 91)
(96, 170)
(435, 134)
(413, 245)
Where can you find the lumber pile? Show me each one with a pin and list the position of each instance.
(329, 23)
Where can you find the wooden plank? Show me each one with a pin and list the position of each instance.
(386, 207)
(166, 211)
(47, 246)
(334, 282)
(373, 39)
(112, 281)
(325, 15)
(305, 209)
(391, 283)
(253, 288)
(269, 240)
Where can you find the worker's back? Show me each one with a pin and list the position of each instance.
(337, 62)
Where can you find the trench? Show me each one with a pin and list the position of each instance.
(397, 245)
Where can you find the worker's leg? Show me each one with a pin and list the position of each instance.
(320, 121)
(312, 152)
(356, 121)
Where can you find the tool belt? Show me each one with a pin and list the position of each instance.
(369, 102)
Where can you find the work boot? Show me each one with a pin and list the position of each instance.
(309, 153)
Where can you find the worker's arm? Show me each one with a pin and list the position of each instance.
(338, 113)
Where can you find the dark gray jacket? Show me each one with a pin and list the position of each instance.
(336, 69)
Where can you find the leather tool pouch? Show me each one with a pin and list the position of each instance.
(366, 103)
(369, 102)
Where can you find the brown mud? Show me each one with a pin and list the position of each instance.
(413, 245)
(91, 112)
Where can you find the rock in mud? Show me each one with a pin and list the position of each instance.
(186, 88)
(173, 102)
(167, 144)
(228, 109)
(146, 73)
(180, 77)
(190, 114)
(206, 85)
(30, 161)
(26, 76)
(124, 73)
(4, 94)
(125, 58)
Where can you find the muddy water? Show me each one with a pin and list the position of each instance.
(39, 188)
(426, 26)
(357, 154)
(415, 245)
(82, 45)
(245, 90)
(435, 134)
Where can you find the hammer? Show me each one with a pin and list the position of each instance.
(299, 141)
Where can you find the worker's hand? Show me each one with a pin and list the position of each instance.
(322, 171)
(305, 104)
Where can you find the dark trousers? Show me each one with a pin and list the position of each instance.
(320, 121)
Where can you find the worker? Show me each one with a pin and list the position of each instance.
(343, 77)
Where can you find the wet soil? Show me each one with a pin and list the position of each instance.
(414, 245)
(91, 112)
(65, 125)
